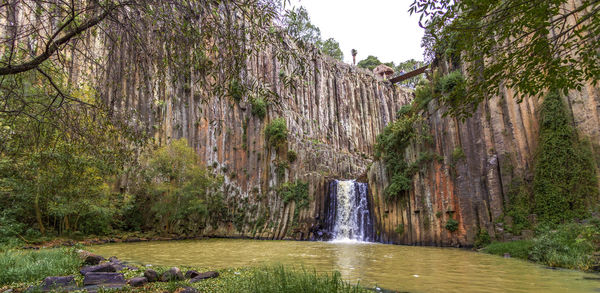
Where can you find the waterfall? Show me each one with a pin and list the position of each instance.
(348, 211)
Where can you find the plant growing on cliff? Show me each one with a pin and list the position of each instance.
(391, 145)
(451, 225)
(276, 133)
(564, 171)
(292, 156)
(259, 107)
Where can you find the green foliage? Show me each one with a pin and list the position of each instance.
(276, 132)
(296, 192)
(519, 207)
(458, 154)
(518, 249)
(482, 239)
(297, 24)
(451, 225)
(424, 93)
(29, 266)
(408, 66)
(452, 87)
(517, 50)
(174, 189)
(280, 167)
(259, 107)
(331, 47)
(369, 63)
(236, 90)
(390, 146)
(570, 245)
(564, 169)
(292, 156)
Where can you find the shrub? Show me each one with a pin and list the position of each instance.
(296, 192)
(482, 239)
(452, 225)
(292, 156)
(276, 132)
(458, 154)
(569, 246)
(453, 88)
(236, 90)
(259, 107)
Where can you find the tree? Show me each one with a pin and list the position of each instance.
(529, 46)
(369, 63)
(331, 48)
(353, 52)
(297, 24)
(176, 188)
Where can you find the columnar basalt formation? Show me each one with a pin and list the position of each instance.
(334, 115)
(499, 145)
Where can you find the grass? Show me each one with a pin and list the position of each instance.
(518, 249)
(35, 265)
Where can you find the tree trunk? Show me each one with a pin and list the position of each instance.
(36, 205)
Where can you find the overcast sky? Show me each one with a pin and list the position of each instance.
(382, 28)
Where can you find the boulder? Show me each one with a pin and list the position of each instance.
(114, 259)
(93, 259)
(151, 275)
(137, 282)
(104, 279)
(58, 284)
(105, 267)
(203, 276)
(191, 274)
(173, 274)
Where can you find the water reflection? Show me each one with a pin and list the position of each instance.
(413, 269)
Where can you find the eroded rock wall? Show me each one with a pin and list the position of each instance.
(333, 116)
(499, 144)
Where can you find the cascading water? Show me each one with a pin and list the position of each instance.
(349, 217)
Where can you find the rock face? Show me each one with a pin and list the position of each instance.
(334, 116)
(497, 146)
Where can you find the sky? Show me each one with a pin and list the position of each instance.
(382, 28)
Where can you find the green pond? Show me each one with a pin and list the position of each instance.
(406, 268)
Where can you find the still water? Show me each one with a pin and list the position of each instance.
(406, 268)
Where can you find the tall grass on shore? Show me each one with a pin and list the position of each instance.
(286, 279)
(17, 266)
